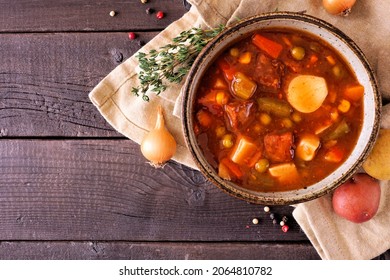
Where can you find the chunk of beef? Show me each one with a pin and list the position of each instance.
(240, 114)
(268, 73)
(279, 146)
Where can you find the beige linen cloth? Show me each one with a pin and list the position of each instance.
(368, 25)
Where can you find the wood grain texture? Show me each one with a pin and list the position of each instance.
(86, 15)
(155, 251)
(45, 80)
(104, 190)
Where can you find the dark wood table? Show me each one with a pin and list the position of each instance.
(71, 187)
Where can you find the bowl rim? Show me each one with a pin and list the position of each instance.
(234, 189)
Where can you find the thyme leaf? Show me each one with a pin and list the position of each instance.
(171, 63)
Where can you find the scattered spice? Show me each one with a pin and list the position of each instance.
(266, 209)
(282, 223)
(160, 14)
(132, 35)
(255, 221)
(144, 1)
(112, 13)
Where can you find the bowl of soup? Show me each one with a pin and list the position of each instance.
(280, 109)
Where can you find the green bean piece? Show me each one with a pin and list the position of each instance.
(274, 106)
(340, 130)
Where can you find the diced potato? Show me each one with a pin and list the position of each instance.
(244, 149)
(322, 127)
(243, 87)
(306, 93)
(284, 172)
(307, 147)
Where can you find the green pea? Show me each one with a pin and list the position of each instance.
(298, 53)
(262, 165)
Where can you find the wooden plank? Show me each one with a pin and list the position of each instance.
(87, 15)
(104, 190)
(44, 90)
(155, 251)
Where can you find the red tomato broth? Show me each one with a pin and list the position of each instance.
(242, 118)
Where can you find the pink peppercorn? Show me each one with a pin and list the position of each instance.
(160, 15)
(285, 228)
(132, 35)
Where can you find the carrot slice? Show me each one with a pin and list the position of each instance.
(204, 118)
(226, 68)
(234, 168)
(272, 48)
(354, 92)
(335, 154)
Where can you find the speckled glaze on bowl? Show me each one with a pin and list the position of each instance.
(358, 63)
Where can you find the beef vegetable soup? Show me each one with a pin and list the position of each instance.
(278, 110)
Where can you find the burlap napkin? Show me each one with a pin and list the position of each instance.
(368, 25)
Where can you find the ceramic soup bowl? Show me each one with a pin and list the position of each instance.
(341, 43)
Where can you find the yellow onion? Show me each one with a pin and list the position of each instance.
(338, 7)
(158, 146)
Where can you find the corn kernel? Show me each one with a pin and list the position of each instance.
(296, 117)
(257, 128)
(227, 141)
(222, 98)
(265, 119)
(220, 131)
(336, 71)
(234, 52)
(334, 114)
(287, 123)
(344, 106)
(331, 60)
(245, 58)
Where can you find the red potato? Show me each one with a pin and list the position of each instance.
(357, 200)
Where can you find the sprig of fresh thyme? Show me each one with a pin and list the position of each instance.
(171, 62)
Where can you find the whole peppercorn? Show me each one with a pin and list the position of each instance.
(112, 13)
(144, 1)
(285, 228)
(149, 11)
(132, 35)
(282, 223)
(160, 15)
(255, 221)
(266, 209)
